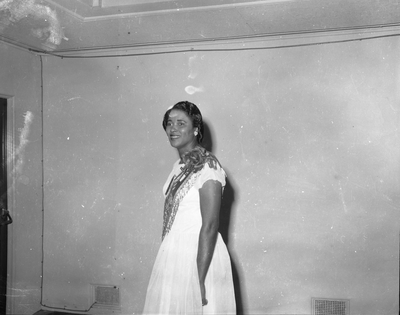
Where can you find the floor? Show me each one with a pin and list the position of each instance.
(54, 313)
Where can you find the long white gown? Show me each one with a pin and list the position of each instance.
(174, 284)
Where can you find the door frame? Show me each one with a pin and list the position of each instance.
(9, 136)
(3, 205)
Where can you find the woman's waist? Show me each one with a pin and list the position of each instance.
(186, 228)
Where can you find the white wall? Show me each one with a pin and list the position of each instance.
(20, 84)
(308, 137)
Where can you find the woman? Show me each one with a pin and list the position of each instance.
(192, 272)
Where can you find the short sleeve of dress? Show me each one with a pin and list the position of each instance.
(212, 173)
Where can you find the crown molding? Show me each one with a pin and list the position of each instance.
(253, 42)
(69, 12)
(86, 13)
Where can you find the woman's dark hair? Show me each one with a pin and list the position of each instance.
(193, 112)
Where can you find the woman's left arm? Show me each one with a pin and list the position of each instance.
(210, 203)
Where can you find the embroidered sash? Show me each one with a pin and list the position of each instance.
(181, 184)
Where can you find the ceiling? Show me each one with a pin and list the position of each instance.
(76, 26)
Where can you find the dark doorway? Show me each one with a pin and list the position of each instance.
(3, 205)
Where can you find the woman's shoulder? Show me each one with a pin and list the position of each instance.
(211, 160)
(199, 159)
(212, 169)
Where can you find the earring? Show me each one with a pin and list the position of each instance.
(195, 133)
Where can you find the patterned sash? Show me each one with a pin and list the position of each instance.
(181, 183)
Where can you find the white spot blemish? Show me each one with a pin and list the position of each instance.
(193, 72)
(23, 141)
(190, 89)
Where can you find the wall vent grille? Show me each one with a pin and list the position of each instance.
(105, 296)
(330, 306)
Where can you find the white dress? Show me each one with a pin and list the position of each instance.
(174, 283)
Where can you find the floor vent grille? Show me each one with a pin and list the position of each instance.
(105, 296)
(330, 306)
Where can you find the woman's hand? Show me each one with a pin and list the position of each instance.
(203, 294)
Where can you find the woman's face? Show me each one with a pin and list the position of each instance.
(180, 131)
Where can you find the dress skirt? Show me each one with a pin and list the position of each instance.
(174, 283)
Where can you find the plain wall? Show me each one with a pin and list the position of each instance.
(308, 137)
(20, 84)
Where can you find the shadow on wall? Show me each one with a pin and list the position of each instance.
(225, 222)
